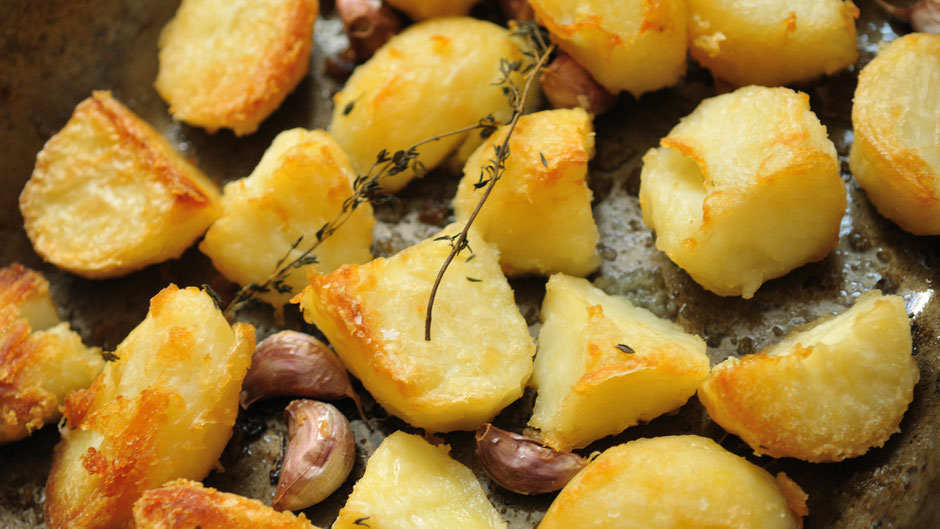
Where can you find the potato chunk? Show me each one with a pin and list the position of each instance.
(422, 9)
(299, 185)
(480, 354)
(896, 152)
(230, 63)
(827, 392)
(772, 43)
(744, 189)
(432, 78)
(109, 195)
(163, 410)
(410, 484)
(41, 360)
(539, 213)
(633, 45)
(675, 482)
(184, 504)
(604, 365)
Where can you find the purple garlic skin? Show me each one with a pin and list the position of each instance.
(319, 456)
(517, 10)
(567, 84)
(292, 363)
(522, 464)
(924, 16)
(369, 24)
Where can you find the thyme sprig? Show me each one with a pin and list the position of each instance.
(494, 169)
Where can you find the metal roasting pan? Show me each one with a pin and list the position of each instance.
(53, 53)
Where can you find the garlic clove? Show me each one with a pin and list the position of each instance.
(369, 24)
(292, 363)
(924, 16)
(517, 10)
(567, 84)
(319, 456)
(522, 464)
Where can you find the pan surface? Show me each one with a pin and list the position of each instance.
(54, 53)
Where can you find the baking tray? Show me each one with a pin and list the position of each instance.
(55, 52)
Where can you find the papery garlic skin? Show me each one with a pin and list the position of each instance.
(368, 23)
(522, 464)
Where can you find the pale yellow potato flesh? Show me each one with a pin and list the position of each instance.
(435, 77)
(109, 195)
(587, 387)
(184, 504)
(163, 410)
(895, 156)
(675, 482)
(230, 63)
(632, 45)
(423, 9)
(411, 484)
(539, 213)
(772, 43)
(480, 354)
(299, 185)
(744, 189)
(827, 392)
(41, 360)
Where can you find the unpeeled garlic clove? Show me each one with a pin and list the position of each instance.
(567, 84)
(517, 10)
(522, 464)
(369, 24)
(320, 453)
(292, 363)
(924, 16)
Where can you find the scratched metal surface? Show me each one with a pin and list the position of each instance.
(54, 53)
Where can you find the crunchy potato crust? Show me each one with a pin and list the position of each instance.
(185, 504)
(109, 195)
(40, 360)
(230, 63)
(895, 155)
(423, 9)
(827, 392)
(539, 215)
(480, 354)
(163, 410)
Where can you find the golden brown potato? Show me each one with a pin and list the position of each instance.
(744, 189)
(163, 410)
(675, 482)
(299, 185)
(41, 360)
(422, 9)
(771, 43)
(435, 77)
(896, 152)
(109, 195)
(828, 391)
(604, 365)
(184, 504)
(633, 45)
(539, 213)
(230, 63)
(410, 484)
(480, 355)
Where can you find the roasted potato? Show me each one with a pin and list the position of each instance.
(633, 45)
(744, 189)
(480, 354)
(299, 185)
(230, 63)
(539, 213)
(675, 482)
(772, 43)
(163, 410)
(604, 365)
(109, 195)
(432, 78)
(410, 484)
(896, 153)
(184, 504)
(422, 9)
(827, 392)
(41, 360)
